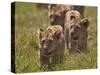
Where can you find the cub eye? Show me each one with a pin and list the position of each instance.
(71, 26)
(50, 41)
(77, 27)
(42, 41)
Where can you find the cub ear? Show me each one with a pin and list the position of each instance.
(57, 34)
(85, 22)
(40, 33)
(51, 6)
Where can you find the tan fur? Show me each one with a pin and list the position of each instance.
(52, 45)
(75, 31)
(57, 13)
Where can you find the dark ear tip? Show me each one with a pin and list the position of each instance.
(41, 29)
(40, 33)
(85, 22)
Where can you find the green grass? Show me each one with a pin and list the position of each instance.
(28, 19)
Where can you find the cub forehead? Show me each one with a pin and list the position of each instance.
(75, 23)
(47, 38)
(51, 30)
(73, 17)
(54, 28)
(74, 13)
(56, 7)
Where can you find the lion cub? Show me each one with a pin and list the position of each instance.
(76, 31)
(51, 45)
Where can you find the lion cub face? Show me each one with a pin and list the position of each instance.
(76, 24)
(49, 40)
(78, 28)
(57, 14)
(74, 30)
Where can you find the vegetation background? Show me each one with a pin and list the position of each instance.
(28, 19)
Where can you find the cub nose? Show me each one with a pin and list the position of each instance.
(72, 33)
(45, 48)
